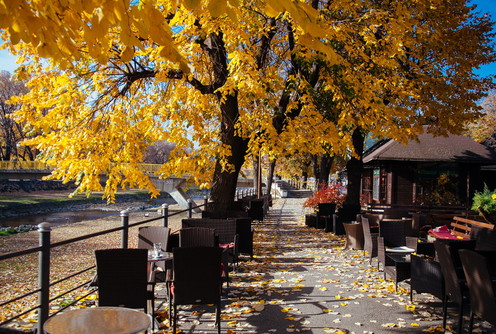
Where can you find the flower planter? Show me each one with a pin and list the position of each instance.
(311, 220)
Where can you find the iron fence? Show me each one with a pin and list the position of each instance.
(44, 251)
(45, 248)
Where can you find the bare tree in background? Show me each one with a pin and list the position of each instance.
(484, 130)
(158, 153)
(11, 132)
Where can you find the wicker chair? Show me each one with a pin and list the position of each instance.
(324, 215)
(370, 239)
(481, 289)
(425, 276)
(226, 232)
(204, 237)
(197, 279)
(346, 213)
(391, 234)
(197, 237)
(149, 235)
(455, 284)
(123, 279)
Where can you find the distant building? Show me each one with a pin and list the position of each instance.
(432, 171)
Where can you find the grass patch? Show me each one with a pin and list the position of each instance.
(10, 231)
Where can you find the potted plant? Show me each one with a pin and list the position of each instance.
(321, 199)
(485, 204)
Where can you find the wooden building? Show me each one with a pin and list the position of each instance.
(450, 168)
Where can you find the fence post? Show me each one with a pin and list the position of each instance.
(44, 274)
(190, 208)
(205, 203)
(125, 230)
(165, 214)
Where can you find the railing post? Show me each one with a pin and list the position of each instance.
(125, 230)
(190, 208)
(165, 214)
(44, 274)
(205, 203)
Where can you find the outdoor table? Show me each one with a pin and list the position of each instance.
(443, 232)
(98, 320)
(165, 256)
(397, 266)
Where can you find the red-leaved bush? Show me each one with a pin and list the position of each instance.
(328, 193)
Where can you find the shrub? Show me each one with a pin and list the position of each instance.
(326, 194)
(485, 202)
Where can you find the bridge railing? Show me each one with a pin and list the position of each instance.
(38, 165)
(45, 250)
(35, 165)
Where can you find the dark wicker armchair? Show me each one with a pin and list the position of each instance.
(324, 215)
(197, 279)
(149, 235)
(225, 230)
(370, 239)
(204, 237)
(425, 276)
(391, 234)
(455, 284)
(197, 237)
(346, 213)
(123, 279)
(481, 289)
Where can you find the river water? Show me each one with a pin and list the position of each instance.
(57, 218)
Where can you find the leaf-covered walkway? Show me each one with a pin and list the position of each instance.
(302, 280)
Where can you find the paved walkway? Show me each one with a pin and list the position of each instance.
(302, 280)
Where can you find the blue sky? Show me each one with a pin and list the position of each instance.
(7, 61)
(487, 6)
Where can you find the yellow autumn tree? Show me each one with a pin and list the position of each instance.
(225, 80)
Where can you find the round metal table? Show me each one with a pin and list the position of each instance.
(98, 320)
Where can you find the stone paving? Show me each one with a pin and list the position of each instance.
(302, 280)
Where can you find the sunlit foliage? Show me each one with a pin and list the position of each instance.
(224, 80)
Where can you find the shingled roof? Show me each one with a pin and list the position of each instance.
(430, 148)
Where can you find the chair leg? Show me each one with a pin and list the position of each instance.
(460, 318)
(471, 322)
(445, 310)
(170, 304)
(217, 316)
(174, 319)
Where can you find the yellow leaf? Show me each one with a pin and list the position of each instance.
(127, 54)
(217, 7)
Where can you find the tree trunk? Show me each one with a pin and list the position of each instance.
(255, 173)
(354, 169)
(225, 182)
(325, 168)
(322, 165)
(270, 177)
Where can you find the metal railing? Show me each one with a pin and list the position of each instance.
(45, 248)
(44, 251)
(299, 184)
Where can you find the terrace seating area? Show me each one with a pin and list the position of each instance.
(304, 279)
